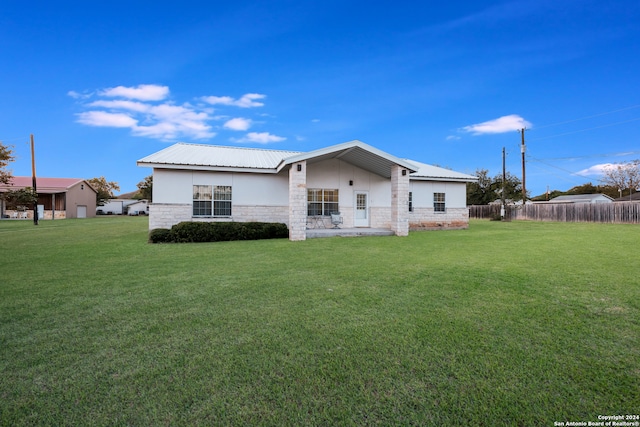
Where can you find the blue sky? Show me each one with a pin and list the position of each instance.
(103, 84)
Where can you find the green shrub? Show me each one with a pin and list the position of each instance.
(196, 232)
(160, 235)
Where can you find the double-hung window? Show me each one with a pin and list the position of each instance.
(211, 200)
(438, 202)
(202, 197)
(222, 200)
(322, 201)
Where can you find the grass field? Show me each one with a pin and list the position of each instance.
(517, 323)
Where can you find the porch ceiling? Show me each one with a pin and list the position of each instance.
(358, 154)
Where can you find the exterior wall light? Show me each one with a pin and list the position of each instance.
(299, 168)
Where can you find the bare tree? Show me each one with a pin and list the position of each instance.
(624, 176)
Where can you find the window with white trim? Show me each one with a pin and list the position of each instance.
(211, 200)
(322, 201)
(202, 196)
(222, 200)
(439, 202)
(410, 201)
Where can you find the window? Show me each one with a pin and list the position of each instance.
(321, 202)
(222, 200)
(438, 202)
(410, 201)
(211, 200)
(201, 200)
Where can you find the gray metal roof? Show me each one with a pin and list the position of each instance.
(357, 153)
(213, 157)
(437, 173)
(581, 198)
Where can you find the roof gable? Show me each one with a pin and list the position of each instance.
(45, 185)
(356, 153)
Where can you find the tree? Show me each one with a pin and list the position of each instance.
(104, 189)
(6, 157)
(145, 188)
(480, 192)
(24, 197)
(624, 176)
(512, 187)
(488, 190)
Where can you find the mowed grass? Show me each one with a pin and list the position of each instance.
(517, 323)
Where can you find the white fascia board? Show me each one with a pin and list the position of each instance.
(205, 168)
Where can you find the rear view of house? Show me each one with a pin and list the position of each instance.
(368, 187)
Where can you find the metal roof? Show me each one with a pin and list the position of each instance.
(44, 185)
(437, 173)
(213, 157)
(357, 153)
(581, 198)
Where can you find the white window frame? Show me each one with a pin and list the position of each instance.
(324, 201)
(439, 202)
(212, 201)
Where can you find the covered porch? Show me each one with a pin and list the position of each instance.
(348, 232)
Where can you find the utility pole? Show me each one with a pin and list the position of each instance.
(33, 177)
(524, 187)
(503, 209)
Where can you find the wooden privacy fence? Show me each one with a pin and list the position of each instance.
(619, 212)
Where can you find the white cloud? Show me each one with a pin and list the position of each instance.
(139, 107)
(78, 95)
(260, 138)
(246, 101)
(596, 169)
(502, 124)
(140, 92)
(238, 124)
(106, 119)
(453, 138)
(146, 111)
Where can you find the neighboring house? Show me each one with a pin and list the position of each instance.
(139, 207)
(370, 188)
(57, 197)
(582, 198)
(634, 197)
(115, 206)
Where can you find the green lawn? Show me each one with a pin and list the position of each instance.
(517, 323)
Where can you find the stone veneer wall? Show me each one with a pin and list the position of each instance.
(298, 201)
(427, 219)
(165, 215)
(399, 200)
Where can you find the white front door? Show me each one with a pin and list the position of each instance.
(81, 212)
(361, 209)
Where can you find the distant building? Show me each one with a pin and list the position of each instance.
(635, 197)
(58, 198)
(582, 198)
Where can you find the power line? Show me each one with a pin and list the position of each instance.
(588, 117)
(585, 130)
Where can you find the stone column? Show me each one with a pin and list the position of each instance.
(399, 200)
(298, 201)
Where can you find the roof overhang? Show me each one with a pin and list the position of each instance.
(356, 153)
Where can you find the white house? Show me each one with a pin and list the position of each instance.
(370, 188)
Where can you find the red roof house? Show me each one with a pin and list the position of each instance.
(60, 197)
